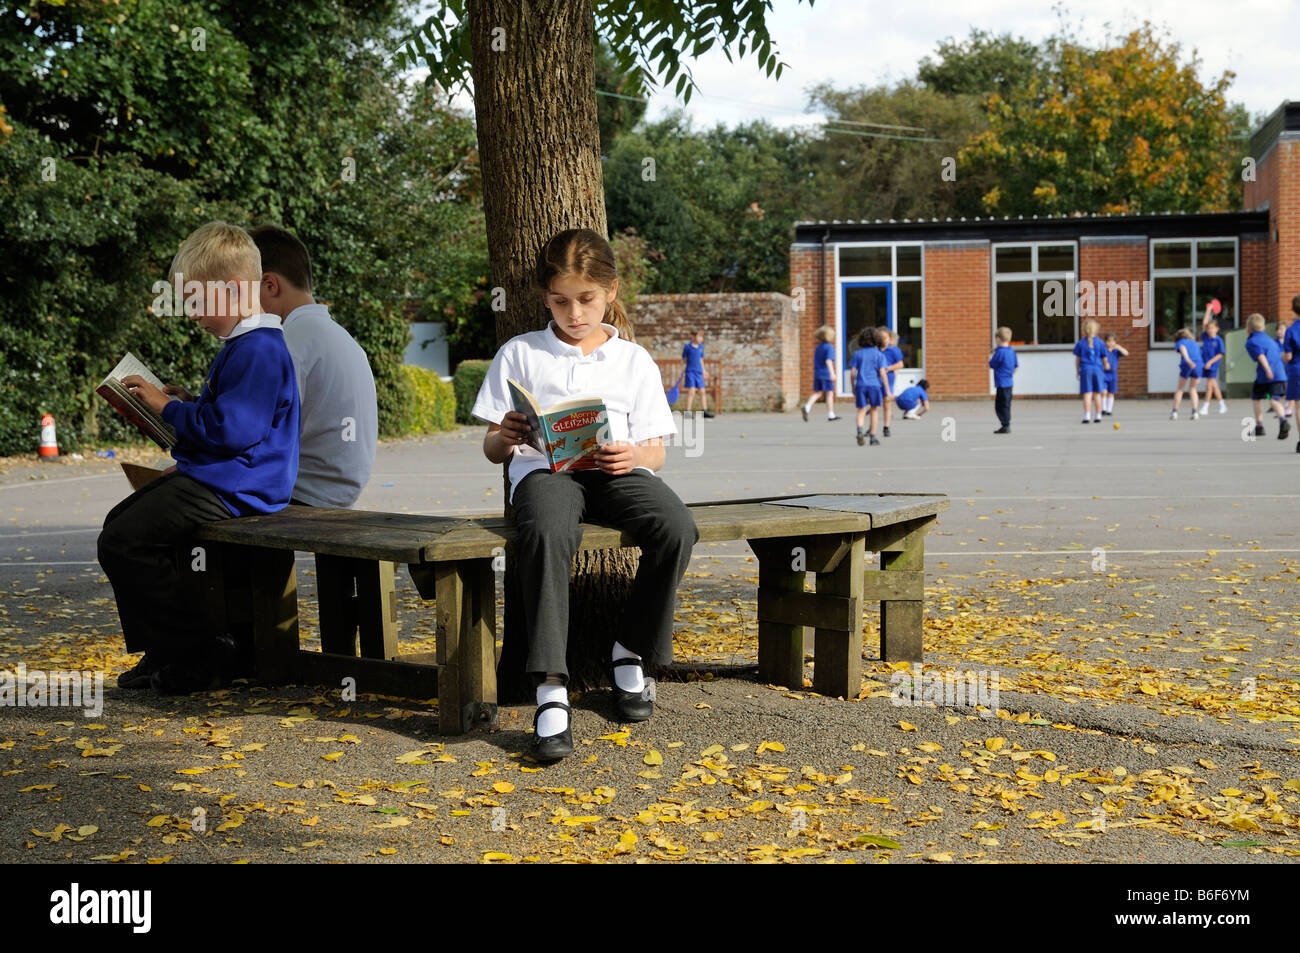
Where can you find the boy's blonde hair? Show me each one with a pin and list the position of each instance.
(1091, 327)
(1184, 333)
(218, 251)
(824, 333)
(1004, 334)
(1256, 322)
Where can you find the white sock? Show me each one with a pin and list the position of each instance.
(553, 720)
(630, 678)
(807, 407)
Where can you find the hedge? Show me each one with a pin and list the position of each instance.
(467, 381)
(433, 408)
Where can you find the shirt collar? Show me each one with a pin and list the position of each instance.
(252, 324)
(564, 349)
(315, 308)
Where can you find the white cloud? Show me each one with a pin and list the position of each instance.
(850, 43)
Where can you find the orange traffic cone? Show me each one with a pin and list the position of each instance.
(49, 445)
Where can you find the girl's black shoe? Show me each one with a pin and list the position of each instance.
(552, 747)
(631, 706)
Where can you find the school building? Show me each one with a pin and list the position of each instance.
(946, 286)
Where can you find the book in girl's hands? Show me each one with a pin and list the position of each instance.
(566, 434)
(131, 407)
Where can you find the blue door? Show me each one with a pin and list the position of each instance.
(863, 304)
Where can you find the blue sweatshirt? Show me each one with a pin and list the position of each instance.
(240, 438)
(1004, 363)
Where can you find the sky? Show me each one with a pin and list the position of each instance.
(867, 42)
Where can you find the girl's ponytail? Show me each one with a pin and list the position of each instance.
(617, 316)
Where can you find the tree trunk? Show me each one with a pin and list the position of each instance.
(539, 153)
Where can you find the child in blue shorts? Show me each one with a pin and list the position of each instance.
(1270, 376)
(1190, 368)
(1291, 356)
(1114, 351)
(1212, 359)
(824, 373)
(893, 362)
(870, 382)
(1090, 366)
(694, 377)
(914, 402)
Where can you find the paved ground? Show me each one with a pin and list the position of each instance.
(1130, 593)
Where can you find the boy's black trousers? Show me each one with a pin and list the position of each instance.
(137, 550)
(548, 508)
(1002, 405)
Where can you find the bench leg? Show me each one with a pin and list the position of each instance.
(837, 667)
(466, 625)
(274, 603)
(357, 597)
(780, 645)
(901, 620)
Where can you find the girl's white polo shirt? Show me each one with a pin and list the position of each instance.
(620, 373)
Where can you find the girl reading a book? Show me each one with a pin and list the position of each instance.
(586, 351)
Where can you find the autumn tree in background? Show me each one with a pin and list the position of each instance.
(1126, 128)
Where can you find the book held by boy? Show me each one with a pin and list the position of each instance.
(567, 433)
(131, 407)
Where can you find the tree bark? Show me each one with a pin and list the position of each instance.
(539, 152)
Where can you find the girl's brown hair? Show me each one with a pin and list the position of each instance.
(582, 253)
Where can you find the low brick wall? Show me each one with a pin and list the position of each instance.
(753, 335)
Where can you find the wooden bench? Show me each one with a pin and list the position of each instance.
(451, 561)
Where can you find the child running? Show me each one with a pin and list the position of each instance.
(1190, 368)
(824, 373)
(1270, 376)
(584, 352)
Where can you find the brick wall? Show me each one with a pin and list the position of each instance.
(1124, 262)
(958, 321)
(815, 310)
(1277, 183)
(752, 335)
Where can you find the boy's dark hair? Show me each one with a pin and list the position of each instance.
(867, 338)
(283, 254)
(923, 384)
(1295, 304)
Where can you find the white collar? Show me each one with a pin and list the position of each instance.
(315, 308)
(563, 348)
(253, 323)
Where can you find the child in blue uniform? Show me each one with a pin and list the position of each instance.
(1190, 369)
(694, 377)
(824, 373)
(1004, 362)
(1212, 360)
(1090, 366)
(1291, 355)
(914, 402)
(869, 380)
(1114, 351)
(236, 454)
(584, 352)
(893, 362)
(1270, 376)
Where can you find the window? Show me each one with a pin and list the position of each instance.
(1033, 292)
(878, 284)
(1186, 274)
